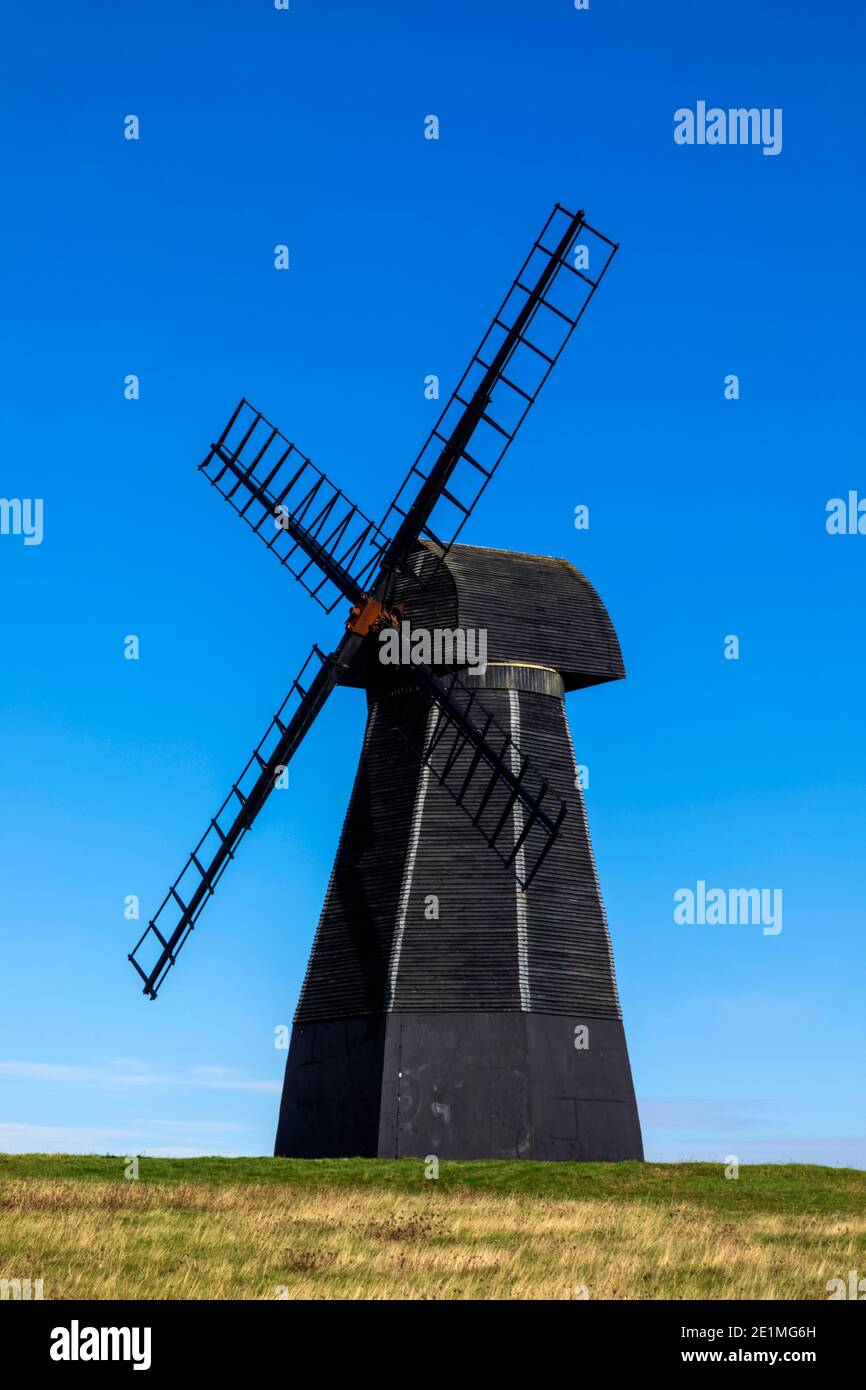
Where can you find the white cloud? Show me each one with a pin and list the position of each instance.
(834, 1150)
(700, 1114)
(148, 1138)
(225, 1079)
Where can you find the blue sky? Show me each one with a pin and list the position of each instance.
(155, 257)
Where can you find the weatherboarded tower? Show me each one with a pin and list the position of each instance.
(444, 1010)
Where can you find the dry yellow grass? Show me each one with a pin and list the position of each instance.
(130, 1240)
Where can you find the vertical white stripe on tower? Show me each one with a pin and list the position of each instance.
(408, 871)
(595, 878)
(520, 863)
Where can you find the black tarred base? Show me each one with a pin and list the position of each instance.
(459, 1086)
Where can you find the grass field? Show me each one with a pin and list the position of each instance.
(264, 1228)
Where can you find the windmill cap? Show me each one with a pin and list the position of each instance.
(536, 610)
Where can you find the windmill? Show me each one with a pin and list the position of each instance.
(457, 1002)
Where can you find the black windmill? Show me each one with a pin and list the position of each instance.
(457, 1002)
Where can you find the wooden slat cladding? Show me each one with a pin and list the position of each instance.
(534, 610)
(420, 915)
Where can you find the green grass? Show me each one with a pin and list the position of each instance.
(360, 1228)
(790, 1188)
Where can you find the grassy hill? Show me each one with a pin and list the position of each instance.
(263, 1228)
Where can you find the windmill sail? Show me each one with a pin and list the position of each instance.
(322, 538)
(501, 383)
(481, 767)
(157, 948)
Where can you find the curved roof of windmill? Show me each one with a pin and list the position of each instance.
(536, 609)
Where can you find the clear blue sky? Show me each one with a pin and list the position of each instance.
(155, 257)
